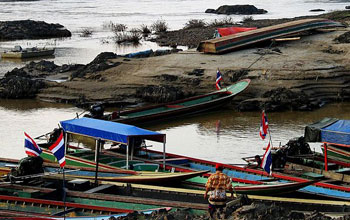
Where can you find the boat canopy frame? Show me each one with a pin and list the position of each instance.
(329, 131)
(102, 130)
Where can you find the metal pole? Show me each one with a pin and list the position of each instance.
(98, 144)
(127, 155)
(64, 196)
(65, 142)
(268, 129)
(325, 157)
(132, 148)
(163, 154)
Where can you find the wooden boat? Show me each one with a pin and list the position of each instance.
(198, 181)
(80, 208)
(112, 174)
(240, 174)
(231, 42)
(195, 197)
(337, 153)
(19, 53)
(191, 105)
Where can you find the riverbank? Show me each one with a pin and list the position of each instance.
(301, 75)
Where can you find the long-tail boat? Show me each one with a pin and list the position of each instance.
(239, 174)
(120, 133)
(192, 105)
(234, 41)
(112, 174)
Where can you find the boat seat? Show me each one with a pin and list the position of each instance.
(177, 161)
(311, 175)
(101, 188)
(343, 170)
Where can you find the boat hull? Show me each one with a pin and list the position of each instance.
(191, 105)
(29, 54)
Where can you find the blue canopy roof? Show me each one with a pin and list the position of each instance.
(337, 133)
(108, 130)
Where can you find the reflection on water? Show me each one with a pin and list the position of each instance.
(224, 136)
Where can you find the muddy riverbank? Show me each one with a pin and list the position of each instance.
(302, 74)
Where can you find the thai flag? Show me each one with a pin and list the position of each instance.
(263, 126)
(58, 150)
(30, 147)
(218, 79)
(266, 163)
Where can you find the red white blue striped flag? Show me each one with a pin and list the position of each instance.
(266, 163)
(30, 147)
(218, 79)
(264, 125)
(58, 150)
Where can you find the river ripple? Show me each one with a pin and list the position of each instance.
(224, 136)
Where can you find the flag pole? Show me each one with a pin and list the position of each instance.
(65, 140)
(268, 129)
(64, 196)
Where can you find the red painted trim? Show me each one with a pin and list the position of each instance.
(259, 172)
(325, 157)
(343, 145)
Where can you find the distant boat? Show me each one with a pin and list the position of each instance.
(247, 38)
(19, 53)
(192, 105)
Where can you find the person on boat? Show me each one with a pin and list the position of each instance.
(216, 186)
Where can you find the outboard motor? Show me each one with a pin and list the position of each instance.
(97, 110)
(294, 147)
(27, 167)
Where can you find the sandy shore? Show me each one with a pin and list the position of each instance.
(313, 61)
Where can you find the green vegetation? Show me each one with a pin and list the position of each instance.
(195, 23)
(159, 26)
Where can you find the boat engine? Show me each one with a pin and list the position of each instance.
(294, 147)
(27, 167)
(96, 111)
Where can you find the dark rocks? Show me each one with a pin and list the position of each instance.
(344, 38)
(33, 69)
(210, 10)
(237, 9)
(197, 72)
(235, 75)
(316, 10)
(169, 78)
(280, 99)
(29, 29)
(160, 94)
(347, 7)
(100, 63)
(18, 87)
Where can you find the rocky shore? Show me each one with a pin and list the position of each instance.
(302, 74)
(29, 29)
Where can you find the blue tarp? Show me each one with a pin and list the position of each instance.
(337, 133)
(107, 130)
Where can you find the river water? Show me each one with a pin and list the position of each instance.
(95, 14)
(224, 136)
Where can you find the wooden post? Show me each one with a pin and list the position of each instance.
(325, 157)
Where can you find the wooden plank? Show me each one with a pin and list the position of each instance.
(100, 188)
(328, 174)
(137, 200)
